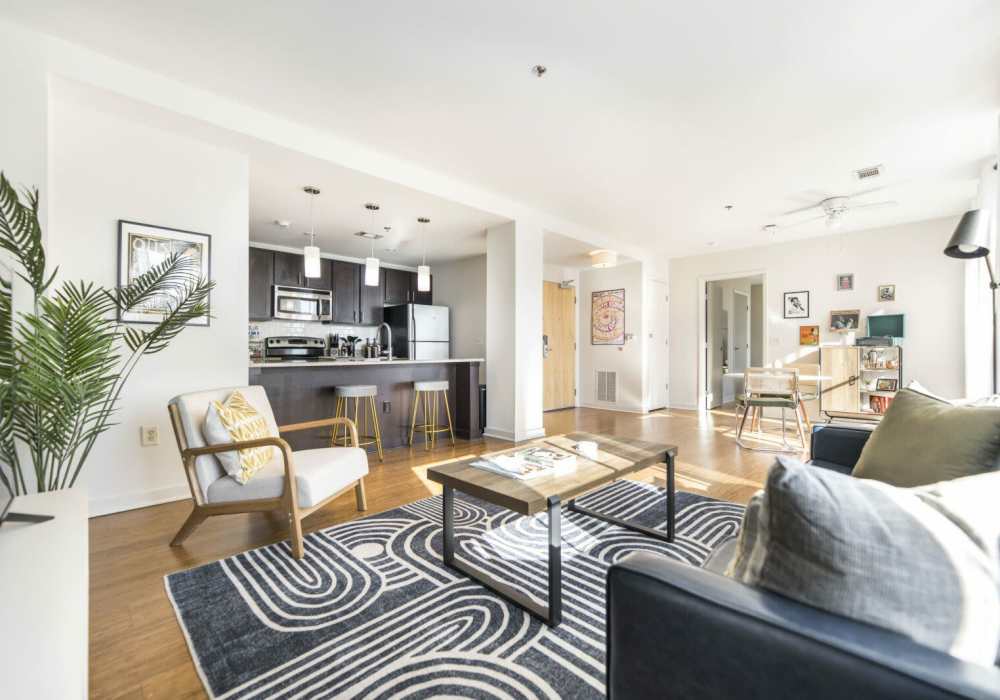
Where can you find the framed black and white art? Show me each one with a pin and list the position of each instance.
(143, 246)
(796, 305)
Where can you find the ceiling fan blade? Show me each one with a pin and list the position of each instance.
(862, 193)
(804, 221)
(887, 203)
(800, 210)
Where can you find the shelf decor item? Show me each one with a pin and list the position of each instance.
(796, 305)
(886, 384)
(808, 335)
(141, 248)
(886, 292)
(845, 321)
(845, 282)
(607, 317)
(65, 362)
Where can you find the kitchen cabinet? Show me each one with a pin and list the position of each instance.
(345, 280)
(372, 299)
(288, 269)
(421, 297)
(261, 279)
(325, 279)
(398, 286)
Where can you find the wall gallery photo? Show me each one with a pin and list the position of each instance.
(796, 305)
(607, 317)
(142, 247)
(844, 321)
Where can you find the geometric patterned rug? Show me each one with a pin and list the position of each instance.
(372, 612)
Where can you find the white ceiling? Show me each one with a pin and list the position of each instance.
(652, 115)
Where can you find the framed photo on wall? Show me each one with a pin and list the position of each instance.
(845, 282)
(887, 292)
(143, 246)
(607, 317)
(796, 305)
(845, 321)
(808, 335)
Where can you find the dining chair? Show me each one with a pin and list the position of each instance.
(296, 483)
(770, 387)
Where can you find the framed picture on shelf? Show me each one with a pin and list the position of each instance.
(887, 292)
(796, 305)
(808, 335)
(845, 320)
(886, 384)
(607, 317)
(845, 282)
(141, 247)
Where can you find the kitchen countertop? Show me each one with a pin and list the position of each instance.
(359, 363)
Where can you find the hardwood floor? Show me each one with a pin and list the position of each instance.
(137, 649)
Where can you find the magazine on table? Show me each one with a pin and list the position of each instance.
(529, 463)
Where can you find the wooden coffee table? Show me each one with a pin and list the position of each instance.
(616, 458)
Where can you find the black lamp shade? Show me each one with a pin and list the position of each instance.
(971, 237)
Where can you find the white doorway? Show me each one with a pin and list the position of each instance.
(732, 335)
(659, 358)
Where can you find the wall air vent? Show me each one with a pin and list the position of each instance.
(869, 172)
(606, 386)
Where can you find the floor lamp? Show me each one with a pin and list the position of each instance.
(972, 240)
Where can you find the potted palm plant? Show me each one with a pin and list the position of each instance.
(65, 362)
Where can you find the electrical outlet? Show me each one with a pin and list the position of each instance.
(149, 435)
(386, 407)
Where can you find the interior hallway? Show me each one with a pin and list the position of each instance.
(136, 646)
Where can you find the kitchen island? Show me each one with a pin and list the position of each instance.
(301, 390)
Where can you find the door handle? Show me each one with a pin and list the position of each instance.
(546, 350)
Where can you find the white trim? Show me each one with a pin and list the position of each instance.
(534, 434)
(624, 408)
(498, 433)
(683, 406)
(141, 499)
(329, 256)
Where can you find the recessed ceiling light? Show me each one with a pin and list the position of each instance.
(283, 223)
(729, 207)
(369, 236)
(539, 70)
(710, 244)
(770, 228)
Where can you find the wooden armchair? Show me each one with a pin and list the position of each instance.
(297, 483)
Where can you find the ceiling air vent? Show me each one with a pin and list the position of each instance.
(607, 386)
(869, 172)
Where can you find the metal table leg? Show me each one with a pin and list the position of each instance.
(551, 615)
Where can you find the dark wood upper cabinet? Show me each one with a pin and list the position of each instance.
(421, 297)
(261, 279)
(372, 299)
(288, 269)
(345, 277)
(397, 286)
(325, 279)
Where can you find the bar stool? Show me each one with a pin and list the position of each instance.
(426, 394)
(365, 416)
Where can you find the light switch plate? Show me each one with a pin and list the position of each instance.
(149, 435)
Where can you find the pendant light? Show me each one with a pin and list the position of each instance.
(311, 251)
(424, 270)
(371, 263)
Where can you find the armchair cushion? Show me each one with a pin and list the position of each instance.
(237, 420)
(319, 473)
(922, 562)
(191, 409)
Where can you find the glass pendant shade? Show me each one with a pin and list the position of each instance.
(423, 278)
(371, 272)
(311, 261)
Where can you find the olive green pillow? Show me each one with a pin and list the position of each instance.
(922, 440)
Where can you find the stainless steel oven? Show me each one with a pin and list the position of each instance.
(300, 304)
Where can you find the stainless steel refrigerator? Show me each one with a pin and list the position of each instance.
(419, 331)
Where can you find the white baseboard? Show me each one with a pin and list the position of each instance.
(131, 501)
(498, 433)
(534, 434)
(683, 406)
(625, 408)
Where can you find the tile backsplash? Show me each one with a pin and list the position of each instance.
(259, 330)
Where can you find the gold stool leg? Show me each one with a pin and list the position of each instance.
(447, 412)
(413, 421)
(427, 419)
(376, 428)
(337, 413)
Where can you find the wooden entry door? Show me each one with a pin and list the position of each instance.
(559, 345)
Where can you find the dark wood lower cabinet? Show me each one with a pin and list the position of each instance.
(301, 393)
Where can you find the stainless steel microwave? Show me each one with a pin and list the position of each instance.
(300, 304)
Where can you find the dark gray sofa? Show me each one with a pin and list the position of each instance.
(676, 631)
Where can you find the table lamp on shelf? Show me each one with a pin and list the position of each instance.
(972, 240)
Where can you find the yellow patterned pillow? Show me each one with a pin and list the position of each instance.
(236, 420)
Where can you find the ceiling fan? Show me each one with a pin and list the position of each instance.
(835, 210)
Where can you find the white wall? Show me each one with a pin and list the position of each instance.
(461, 286)
(627, 360)
(929, 290)
(104, 168)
